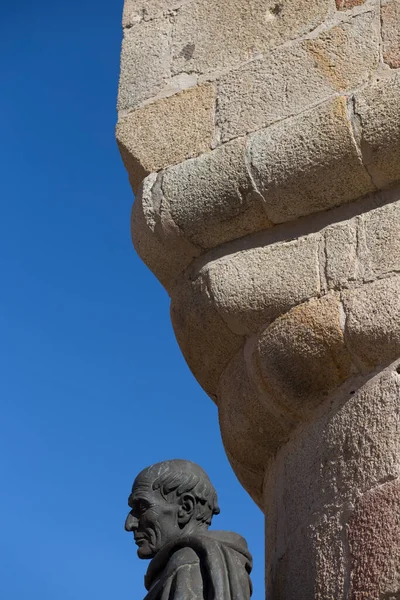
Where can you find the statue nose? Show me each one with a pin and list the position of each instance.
(131, 523)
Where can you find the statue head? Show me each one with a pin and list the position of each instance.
(168, 500)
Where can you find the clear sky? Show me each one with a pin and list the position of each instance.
(93, 385)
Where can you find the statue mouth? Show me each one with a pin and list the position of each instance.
(139, 540)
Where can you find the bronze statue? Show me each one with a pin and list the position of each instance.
(172, 504)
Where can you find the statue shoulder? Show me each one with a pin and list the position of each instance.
(183, 556)
(230, 538)
(168, 563)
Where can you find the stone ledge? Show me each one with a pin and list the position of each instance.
(300, 166)
(252, 285)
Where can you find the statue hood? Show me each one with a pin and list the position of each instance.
(222, 556)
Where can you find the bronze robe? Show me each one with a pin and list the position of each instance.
(213, 566)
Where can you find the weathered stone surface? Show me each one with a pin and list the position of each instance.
(251, 446)
(252, 288)
(250, 480)
(373, 313)
(347, 4)
(232, 32)
(390, 16)
(212, 198)
(340, 259)
(268, 89)
(362, 446)
(250, 278)
(374, 533)
(352, 447)
(309, 163)
(382, 235)
(312, 565)
(145, 62)
(292, 78)
(302, 355)
(136, 11)
(204, 339)
(378, 108)
(363, 248)
(293, 574)
(187, 130)
(155, 236)
(348, 54)
(360, 449)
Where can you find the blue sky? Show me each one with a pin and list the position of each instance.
(93, 385)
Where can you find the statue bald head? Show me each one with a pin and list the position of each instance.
(169, 499)
(174, 478)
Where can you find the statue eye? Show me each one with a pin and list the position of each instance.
(141, 506)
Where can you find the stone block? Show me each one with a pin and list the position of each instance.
(210, 36)
(317, 478)
(241, 407)
(292, 576)
(340, 254)
(302, 355)
(292, 78)
(253, 287)
(145, 62)
(309, 163)
(363, 248)
(167, 132)
(205, 340)
(373, 533)
(268, 89)
(373, 322)
(212, 198)
(390, 16)
(252, 481)
(155, 236)
(313, 565)
(338, 456)
(378, 109)
(348, 54)
(382, 234)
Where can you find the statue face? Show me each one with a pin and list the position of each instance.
(153, 520)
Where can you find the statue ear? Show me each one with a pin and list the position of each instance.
(187, 505)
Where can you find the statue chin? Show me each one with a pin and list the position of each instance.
(145, 551)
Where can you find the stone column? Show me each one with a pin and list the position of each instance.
(262, 141)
